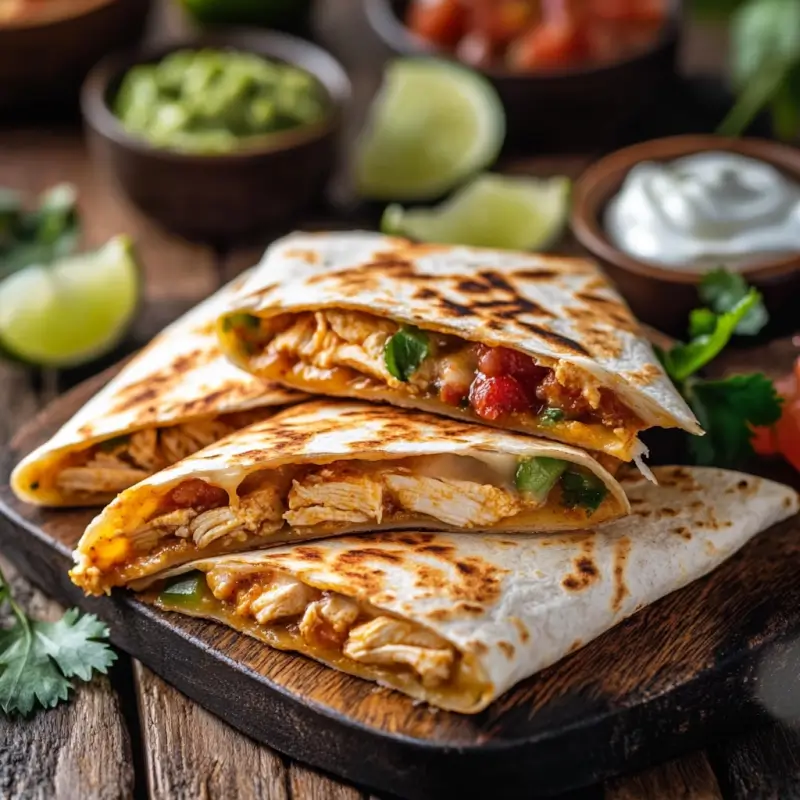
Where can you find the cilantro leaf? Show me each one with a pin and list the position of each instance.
(405, 351)
(726, 409)
(721, 291)
(73, 644)
(684, 360)
(38, 658)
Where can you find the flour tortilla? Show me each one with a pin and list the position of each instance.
(343, 436)
(180, 377)
(512, 606)
(557, 310)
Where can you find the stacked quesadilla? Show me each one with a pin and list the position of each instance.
(446, 519)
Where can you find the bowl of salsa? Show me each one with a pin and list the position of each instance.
(220, 137)
(555, 63)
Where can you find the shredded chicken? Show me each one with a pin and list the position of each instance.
(334, 338)
(461, 503)
(389, 641)
(335, 494)
(100, 480)
(260, 512)
(329, 619)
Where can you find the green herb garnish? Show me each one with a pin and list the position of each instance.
(37, 659)
(405, 351)
(41, 236)
(725, 408)
(537, 476)
(551, 415)
(240, 319)
(582, 490)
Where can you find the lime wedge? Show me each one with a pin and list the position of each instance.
(431, 126)
(491, 211)
(71, 311)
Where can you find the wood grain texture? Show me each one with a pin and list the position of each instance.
(79, 749)
(191, 753)
(760, 765)
(687, 674)
(687, 778)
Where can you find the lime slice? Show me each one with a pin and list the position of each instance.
(71, 311)
(431, 126)
(491, 211)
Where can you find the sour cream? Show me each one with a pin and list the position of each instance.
(705, 210)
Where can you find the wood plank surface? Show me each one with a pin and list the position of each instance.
(690, 777)
(79, 749)
(191, 753)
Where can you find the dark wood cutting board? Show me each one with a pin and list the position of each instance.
(668, 679)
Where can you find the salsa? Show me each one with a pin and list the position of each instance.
(215, 101)
(534, 35)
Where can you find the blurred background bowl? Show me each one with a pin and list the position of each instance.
(575, 109)
(44, 60)
(217, 198)
(663, 296)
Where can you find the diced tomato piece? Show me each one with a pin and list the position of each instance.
(494, 397)
(197, 494)
(549, 46)
(648, 11)
(765, 441)
(497, 361)
(442, 22)
(453, 394)
(787, 432)
(500, 21)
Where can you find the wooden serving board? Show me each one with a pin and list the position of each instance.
(669, 679)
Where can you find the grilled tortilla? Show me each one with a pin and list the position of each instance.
(329, 468)
(176, 396)
(458, 619)
(531, 343)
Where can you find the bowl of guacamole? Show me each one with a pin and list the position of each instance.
(224, 136)
(214, 100)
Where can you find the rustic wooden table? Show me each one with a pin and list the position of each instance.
(132, 735)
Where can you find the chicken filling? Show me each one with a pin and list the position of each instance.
(317, 622)
(493, 383)
(112, 466)
(463, 491)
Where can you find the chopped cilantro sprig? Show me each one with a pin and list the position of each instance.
(37, 659)
(726, 408)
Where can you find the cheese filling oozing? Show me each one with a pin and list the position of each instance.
(463, 491)
(491, 382)
(325, 622)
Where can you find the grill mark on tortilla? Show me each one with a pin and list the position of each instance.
(557, 340)
(507, 648)
(522, 630)
(368, 554)
(683, 532)
(479, 580)
(622, 549)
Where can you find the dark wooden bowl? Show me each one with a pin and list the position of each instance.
(218, 198)
(660, 296)
(581, 109)
(43, 63)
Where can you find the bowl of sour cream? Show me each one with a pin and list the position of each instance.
(661, 214)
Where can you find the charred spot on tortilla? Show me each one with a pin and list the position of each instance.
(683, 532)
(622, 549)
(370, 554)
(586, 573)
(470, 286)
(507, 649)
(576, 645)
(441, 550)
(428, 577)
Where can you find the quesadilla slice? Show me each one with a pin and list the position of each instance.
(457, 619)
(537, 344)
(176, 396)
(327, 468)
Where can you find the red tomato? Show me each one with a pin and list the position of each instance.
(549, 46)
(196, 493)
(442, 22)
(787, 432)
(500, 21)
(497, 361)
(764, 441)
(648, 11)
(495, 397)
